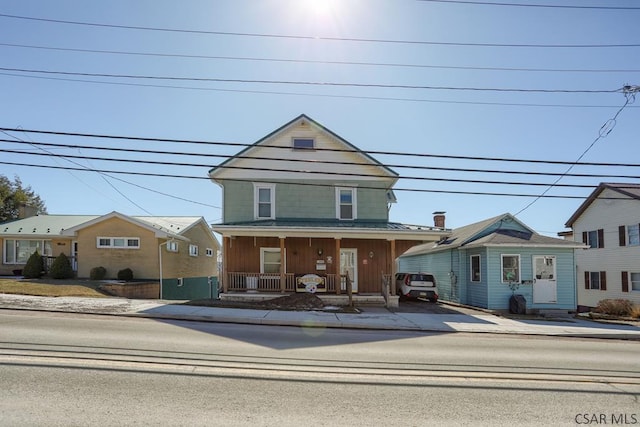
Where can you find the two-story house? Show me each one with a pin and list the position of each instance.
(608, 221)
(303, 207)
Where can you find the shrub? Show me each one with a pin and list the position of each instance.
(61, 268)
(98, 273)
(34, 267)
(125, 275)
(635, 312)
(615, 307)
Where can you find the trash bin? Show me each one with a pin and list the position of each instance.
(517, 304)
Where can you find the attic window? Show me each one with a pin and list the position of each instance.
(303, 143)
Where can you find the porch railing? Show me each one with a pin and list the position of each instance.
(270, 282)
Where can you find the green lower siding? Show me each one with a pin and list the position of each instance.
(490, 292)
(190, 288)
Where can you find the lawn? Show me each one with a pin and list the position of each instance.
(51, 288)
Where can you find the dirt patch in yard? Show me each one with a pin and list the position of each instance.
(294, 302)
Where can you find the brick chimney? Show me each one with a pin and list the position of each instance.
(438, 219)
(26, 211)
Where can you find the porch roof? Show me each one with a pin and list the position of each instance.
(332, 228)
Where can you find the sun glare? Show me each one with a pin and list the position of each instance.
(320, 8)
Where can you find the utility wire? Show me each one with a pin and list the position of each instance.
(298, 161)
(630, 95)
(306, 172)
(323, 62)
(317, 38)
(308, 83)
(265, 92)
(416, 190)
(318, 149)
(552, 6)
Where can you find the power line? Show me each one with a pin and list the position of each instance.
(318, 149)
(305, 172)
(309, 83)
(417, 190)
(317, 38)
(552, 6)
(324, 62)
(265, 92)
(303, 161)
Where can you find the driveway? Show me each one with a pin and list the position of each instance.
(428, 307)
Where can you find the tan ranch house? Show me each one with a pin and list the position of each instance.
(152, 247)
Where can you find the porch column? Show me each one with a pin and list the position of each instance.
(226, 244)
(283, 278)
(392, 285)
(337, 264)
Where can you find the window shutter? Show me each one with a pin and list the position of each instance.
(584, 237)
(603, 280)
(600, 238)
(621, 235)
(625, 281)
(586, 280)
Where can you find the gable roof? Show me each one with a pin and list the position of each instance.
(490, 232)
(302, 119)
(626, 189)
(48, 226)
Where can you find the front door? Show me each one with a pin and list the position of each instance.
(349, 264)
(544, 280)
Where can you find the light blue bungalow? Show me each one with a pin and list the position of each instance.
(483, 264)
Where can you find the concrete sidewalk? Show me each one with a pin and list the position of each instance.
(377, 318)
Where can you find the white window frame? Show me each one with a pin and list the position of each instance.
(276, 250)
(172, 246)
(593, 274)
(471, 279)
(209, 252)
(634, 285)
(256, 200)
(519, 267)
(44, 249)
(294, 139)
(193, 250)
(354, 203)
(112, 240)
(633, 235)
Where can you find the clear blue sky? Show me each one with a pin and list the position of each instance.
(320, 37)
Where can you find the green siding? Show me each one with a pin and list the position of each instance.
(305, 201)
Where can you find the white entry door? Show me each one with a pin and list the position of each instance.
(349, 264)
(544, 279)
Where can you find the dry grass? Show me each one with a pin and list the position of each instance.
(51, 288)
(635, 312)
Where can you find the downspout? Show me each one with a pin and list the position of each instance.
(160, 263)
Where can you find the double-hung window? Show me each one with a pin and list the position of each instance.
(594, 238)
(346, 203)
(510, 266)
(475, 268)
(264, 201)
(193, 250)
(595, 280)
(629, 235)
(270, 260)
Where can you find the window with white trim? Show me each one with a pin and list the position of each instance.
(595, 280)
(475, 268)
(172, 246)
(635, 281)
(118, 242)
(209, 252)
(270, 260)
(264, 201)
(19, 251)
(594, 238)
(193, 250)
(346, 203)
(303, 143)
(510, 267)
(633, 235)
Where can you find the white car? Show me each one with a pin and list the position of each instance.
(417, 285)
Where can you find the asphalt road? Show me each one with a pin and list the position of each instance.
(69, 369)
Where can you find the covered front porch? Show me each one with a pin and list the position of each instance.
(355, 261)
